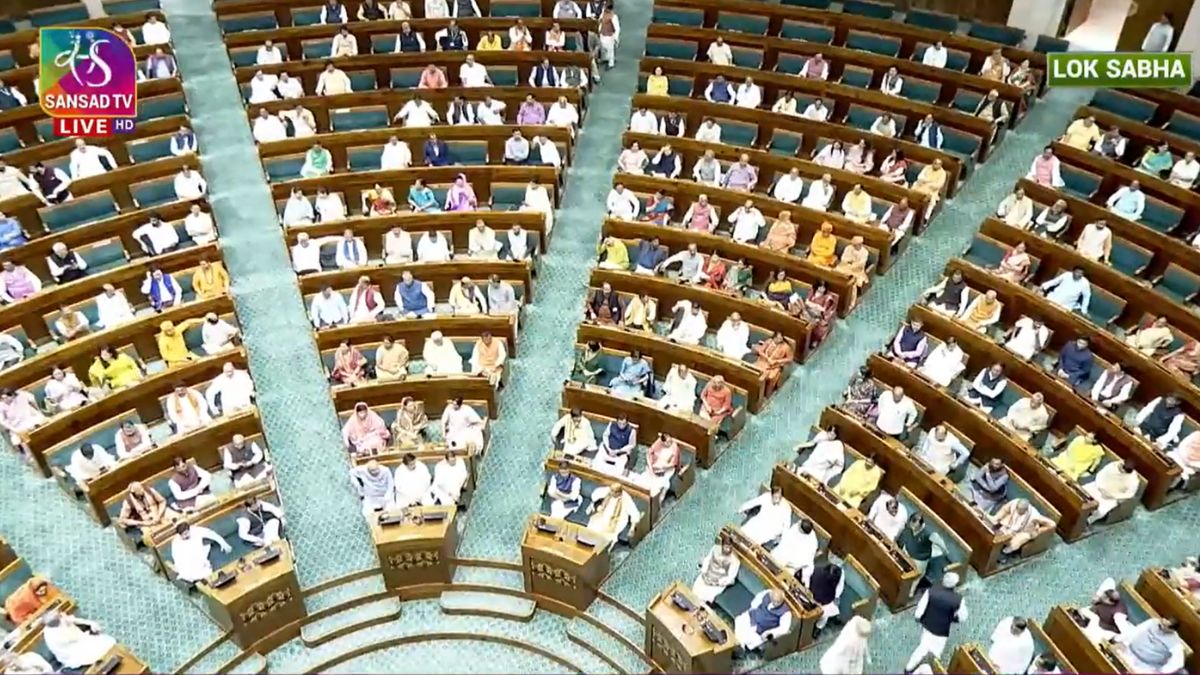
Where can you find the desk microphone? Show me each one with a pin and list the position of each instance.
(270, 555)
(110, 665)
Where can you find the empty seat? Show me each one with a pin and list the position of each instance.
(875, 10)
(935, 20)
(742, 23)
(967, 101)
(985, 251)
(1118, 103)
(363, 159)
(1129, 258)
(247, 22)
(316, 50)
(671, 49)
(677, 16)
(921, 90)
(1160, 215)
(351, 120)
(155, 192)
(870, 42)
(9, 140)
(160, 106)
(1104, 307)
(516, 8)
(104, 255)
(1005, 35)
(406, 78)
(809, 32)
(1080, 183)
(6, 61)
(360, 81)
(58, 16)
(79, 211)
(1178, 284)
(306, 16)
(243, 58)
(283, 168)
(785, 142)
(468, 152)
(1185, 125)
(150, 149)
(860, 117)
(857, 77)
(962, 144)
(1048, 45)
(738, 133)
(747, 58)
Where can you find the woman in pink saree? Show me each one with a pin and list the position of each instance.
(349, 365)
(461, 196)
(365, 433)
(820, 309)
(701, 216)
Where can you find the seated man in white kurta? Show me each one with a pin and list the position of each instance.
(230, 392)
(190, 552)
(1114, 483)
(733, 338)
(773, 517)
(73, 642)
(462, 427)
(679, 390)
(449, 478)
(441, 357)
(691, 324)
(718, 571)
(797, 549)
(768, 618)
(563, 491)
(574, 433)
(944, 363)
(612, 512)
(412, 483)
(827, 459)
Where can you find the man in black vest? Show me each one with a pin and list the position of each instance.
(826, 585)
(937, 610)
(259, 525)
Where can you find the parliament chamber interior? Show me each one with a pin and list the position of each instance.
(858, 347)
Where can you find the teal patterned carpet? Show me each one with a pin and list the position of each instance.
(159, 624)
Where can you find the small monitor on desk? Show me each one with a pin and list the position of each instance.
(586, 542)
(223, 579)
(268, 556)
(682, 602)
(390, 519)
(434, 516)
(546, 527)
(714, 634)
(109, 666)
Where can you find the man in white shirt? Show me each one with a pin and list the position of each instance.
(773, 517)
(1112, 388)
(156, 236)
(733, 337)
(306, 254)
(289, 87)
(416, 113)
(746, 220)
(816, 111)
(1013, 646)
(186, 409)
(490, 111)
(622, 203)
(155, 32)
(897, 413)
(395, 155)
(328, 308)
(190, 553)
(262, 88)
(789, 188)
(190, 184)
(709, 131)
(268, 127)
(333, 81)
(449, 478)
(749, 95)
(691, 323)
(235, 389)
(397, 246)
(112, 308)
(643, 122)
(472, 74)
(942, 450)
(562, 114)
(412, 482)
(183, 142)
(820, 194)
(827, 458)
(935, 55)
(216, 335)
(351, 252)
(433, 247)
(268, 54)
(719, 53)
(89, 160)
(89, 461)
(199, 226)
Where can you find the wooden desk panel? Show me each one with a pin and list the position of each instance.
(435, 391)
(559, 567)
(417, 552)
(440, 275)
(414, 332)
(675, 639)
(459, 223)
(482, 178)
(263, 598)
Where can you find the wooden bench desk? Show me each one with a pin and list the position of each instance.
(418, 551)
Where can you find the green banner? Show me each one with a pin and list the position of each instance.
(1119, 70)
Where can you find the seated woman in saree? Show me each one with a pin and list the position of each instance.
(378, 201)
(461, 196)
(738, 277)
(781, 238)
(861, 394)
(658, 209)
(771, 356)
(894, 168)
(779, 289)
(408, 429)
(820, 310)
(1014, 266)
(713, 272)
(1185, 361)
(349, 365)
(635, 377)
(365, 433)
(822, 250)
(605, 306)
(422, 199)
(860, 158)
(587, 366)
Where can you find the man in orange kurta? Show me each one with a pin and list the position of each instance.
(823, 248)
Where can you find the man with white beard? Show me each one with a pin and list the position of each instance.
(112, 308)
(89, 160)
(733, 338)
(412, 483)
(395, 155)
(235, 388)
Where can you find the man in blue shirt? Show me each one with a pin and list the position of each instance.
(647, 256)
(1069, 290)
(1075, 362)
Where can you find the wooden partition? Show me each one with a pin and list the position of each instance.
(458, 223)
(414, 332)
(435, 391)
(284, 9)
(482, 178)
(441, 276)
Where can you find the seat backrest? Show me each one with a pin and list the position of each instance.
(875, 10)
(1119, 103)
(1129, 258)
(934, 20)
(808, 32)
(1006, 35)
